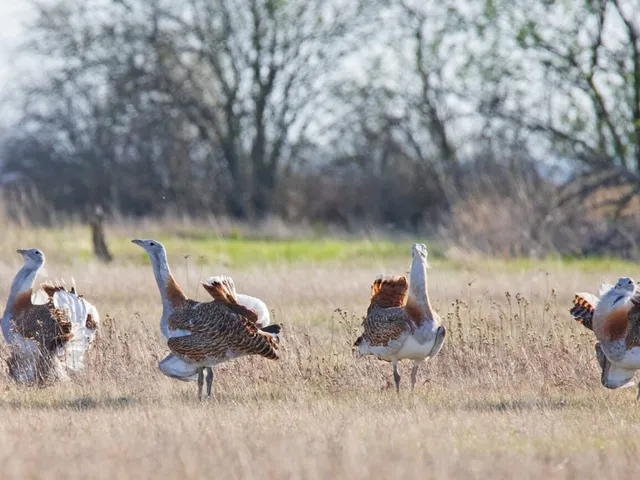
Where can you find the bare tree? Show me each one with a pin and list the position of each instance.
(198, 102)
(573, 81)
(249, 75)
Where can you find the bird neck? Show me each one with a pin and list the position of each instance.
(418, 286)
(170, 292)
(22, 284)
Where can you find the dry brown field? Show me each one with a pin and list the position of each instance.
(515, 392)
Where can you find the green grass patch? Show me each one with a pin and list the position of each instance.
(241, 252)
(73, 244)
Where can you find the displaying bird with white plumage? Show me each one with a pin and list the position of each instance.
(201, 335)
(614, 317)
(50, 338)
(400, 322)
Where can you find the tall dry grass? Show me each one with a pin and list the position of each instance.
(514, 392)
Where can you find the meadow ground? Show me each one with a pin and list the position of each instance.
(515, 391)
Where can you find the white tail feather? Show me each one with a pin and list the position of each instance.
(258, 306)
(39, 298)
(174, 367)
(589, 297)
(79, 310)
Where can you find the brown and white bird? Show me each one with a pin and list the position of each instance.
(614, 317)
(400, 326)
(201, 335)
(48, 339)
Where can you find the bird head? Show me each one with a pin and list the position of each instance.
(153, 248)
(624, 289)
(32, 257)
(419, 252)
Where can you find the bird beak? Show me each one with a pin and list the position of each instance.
(136, 241)
(21, 251)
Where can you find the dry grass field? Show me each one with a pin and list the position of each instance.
(515, 391)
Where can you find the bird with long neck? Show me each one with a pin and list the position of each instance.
(400, 323)
(170, 292)
(418, 293)
(21, 287)
(614, 317)
(173, 298)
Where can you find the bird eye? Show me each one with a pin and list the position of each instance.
(630, 282)
(38, 253)
(152, 244)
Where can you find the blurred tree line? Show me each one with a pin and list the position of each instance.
(398, 112)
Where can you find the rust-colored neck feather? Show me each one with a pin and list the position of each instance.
(20, 287)
(175, 295)
(22, 301)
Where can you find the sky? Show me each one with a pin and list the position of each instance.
(12, 14)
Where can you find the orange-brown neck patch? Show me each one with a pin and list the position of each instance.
(174, 292)
(415, 312)
(615, 325)
(22, 301)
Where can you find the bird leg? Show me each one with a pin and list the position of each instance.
(209, 381)
(396, 375)
(200, 381)
(414, 373)
(638, 395)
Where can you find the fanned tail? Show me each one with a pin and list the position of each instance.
(258, 306)
(221, 288)
(388, 292)
(40, 297)
(584, 304)
(84, 319)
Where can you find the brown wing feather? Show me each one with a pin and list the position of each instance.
(219, 330)
(384, 325)
(388, 292)
(188, 346)
(221, 289)
(48, 326)
(632, 338)
(582, 311)
(50, 290)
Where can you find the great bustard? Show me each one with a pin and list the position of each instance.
(174, 301)
(48, 339)
(400, 326)
(614, 317)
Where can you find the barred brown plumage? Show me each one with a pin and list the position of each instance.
(48, 339)
(218, 331)
(400, 323)
(203, 334)
(614, 318)
(582, 310)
